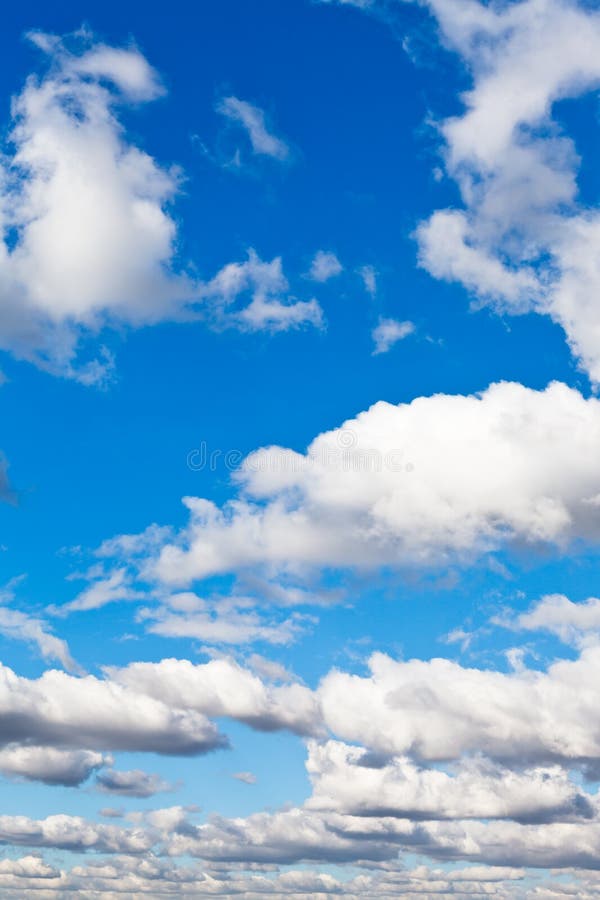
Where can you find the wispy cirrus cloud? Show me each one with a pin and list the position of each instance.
(252, 119)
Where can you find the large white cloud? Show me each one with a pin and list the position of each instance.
(63, 711)
(348, 780)
(444, 478)
(440, 710)
(146, 707)
(221, 687)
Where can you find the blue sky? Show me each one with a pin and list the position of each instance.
(299, 494)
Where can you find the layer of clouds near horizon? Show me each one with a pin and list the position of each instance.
(444, 478)
(69, 273)
(376, 787)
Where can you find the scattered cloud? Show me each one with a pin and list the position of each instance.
(555, 613)
(388, 332)
(111, 587)
(368, 275)
(253, 120)
(7, 493)
(269, 307)
(524, 239)
(22, 626)
(134, 783)
(156, 876)
(50, 765)
(245, 777)
(325, 265)
(227, 620)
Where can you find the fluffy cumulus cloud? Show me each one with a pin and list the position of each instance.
(221, 687)
(433, 710)
(417, 762)
(88, 238)
(446, 477)
(297, 835)
(524, 239)
(49, 764)
(55, 727)
(94, 239)
(64, 711)
(349, 780)
(429, 711)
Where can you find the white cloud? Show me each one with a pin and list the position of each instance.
(135, 783)
(75, 833)
(368, 275)
(388, 332)
(571, 622)
(94, 240)
(66, 712)
(49, 764)
(325, 265)
(269, 307)
(252, 119)
(434, 710)
(524, 240)
(106, 587)
(228, 620)
(87, 238)
(346, 780)
(22, 626)
(245, 777)
(444, 478)
(150, 875)
(223, 688)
